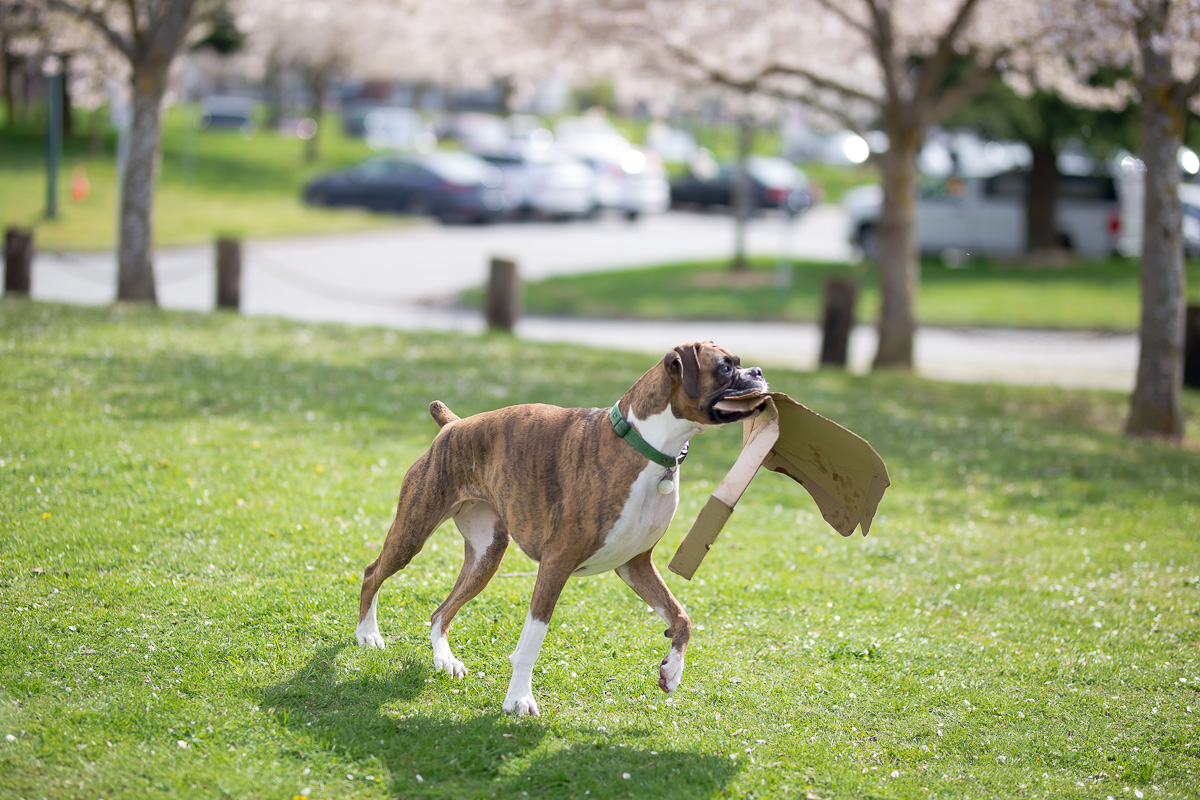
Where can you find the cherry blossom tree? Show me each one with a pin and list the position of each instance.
(22, 30)
(1158, 42)
(148, 35)
(902, 64)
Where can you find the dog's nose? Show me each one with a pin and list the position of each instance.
(755, 373)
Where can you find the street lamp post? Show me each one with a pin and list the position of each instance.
(53, 71)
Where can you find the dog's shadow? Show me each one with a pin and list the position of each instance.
(362, 718)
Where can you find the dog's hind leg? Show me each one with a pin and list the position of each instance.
(423, 506)
(485, 540)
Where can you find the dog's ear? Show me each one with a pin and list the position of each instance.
(684, 361)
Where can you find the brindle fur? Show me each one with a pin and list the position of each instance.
(556, 480)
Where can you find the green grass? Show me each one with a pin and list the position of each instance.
(212, 183)
(1094, 295)
(188, 500)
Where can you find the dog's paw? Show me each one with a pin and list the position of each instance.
(449, 665)
(369, 637)
(670, 673)
(522, 706)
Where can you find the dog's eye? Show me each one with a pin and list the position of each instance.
(725, 368)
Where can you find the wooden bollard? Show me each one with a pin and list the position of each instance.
(18, 260)
(503, 304)
(838, 321)
(229, 273)
(1191, 348)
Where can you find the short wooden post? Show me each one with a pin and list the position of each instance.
(503, 295)
(18, 260)
(229, 273)
(1191, 348)
(838, 320)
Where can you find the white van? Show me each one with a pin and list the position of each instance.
(985, 216)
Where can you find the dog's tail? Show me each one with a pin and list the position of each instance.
(441, 414)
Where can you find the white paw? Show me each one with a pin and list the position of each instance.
(671, 672)
(369, 637)
(522, 706)
(449, 665)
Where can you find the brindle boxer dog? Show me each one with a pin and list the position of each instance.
(581, 490)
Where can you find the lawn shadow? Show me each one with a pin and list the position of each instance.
(479, 753)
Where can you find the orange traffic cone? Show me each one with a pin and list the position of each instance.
(79, 185)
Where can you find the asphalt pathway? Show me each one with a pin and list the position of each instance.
(402, 278)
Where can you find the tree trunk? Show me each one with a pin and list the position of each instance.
(1041, 199)
(135, 277)
(11, 62)
(741, 192)
(316, 79)
(273, 90)
(68, 117)
(1156, 408)
(897, 258)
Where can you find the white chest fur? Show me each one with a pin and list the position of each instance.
(647, 512)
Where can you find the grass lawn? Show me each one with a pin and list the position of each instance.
(188, 501)
(212, 183)
(1096, 295)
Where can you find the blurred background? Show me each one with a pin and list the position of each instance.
(964, 165)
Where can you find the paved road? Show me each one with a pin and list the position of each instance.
(396, 277)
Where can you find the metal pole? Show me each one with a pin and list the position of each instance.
(54, 142)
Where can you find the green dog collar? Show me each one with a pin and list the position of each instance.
(626, 432)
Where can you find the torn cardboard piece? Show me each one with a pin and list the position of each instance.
(844, 474)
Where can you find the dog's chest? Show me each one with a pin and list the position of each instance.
(643, 521)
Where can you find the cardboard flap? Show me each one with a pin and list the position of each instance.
(838, 468)
(844, 474)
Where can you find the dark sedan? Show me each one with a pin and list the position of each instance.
(452, 187)
(774, 183)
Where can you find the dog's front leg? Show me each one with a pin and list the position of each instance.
(551, 579)
(642, 576)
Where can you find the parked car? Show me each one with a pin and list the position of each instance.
(394, 128)
(775, 183)
(474, 130)
(227, 113)
(544, 182)
(1132, 205)
(985, 216)
(452, 187)
(632, 182)
(627, 179)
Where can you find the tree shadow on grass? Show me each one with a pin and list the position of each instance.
(480, 754)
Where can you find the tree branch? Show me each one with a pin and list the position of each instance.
(933, 72)
(884, 43)
(97, 21)
(836, 9)
(976, 79)
(1190, 89)
(837, 111)
(713, 74)
(820, 82)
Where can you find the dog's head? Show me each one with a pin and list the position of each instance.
(711, 387)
